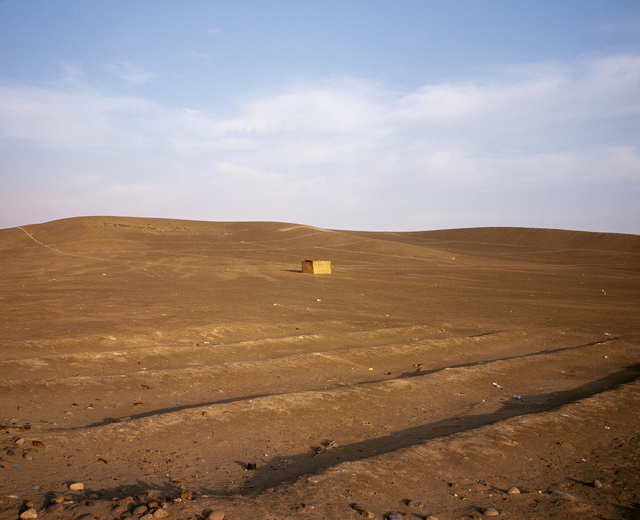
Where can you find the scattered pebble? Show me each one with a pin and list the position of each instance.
(27, 456)
(76, 486)
(215, 515)
(139, 510)
(19, 441)
(55, 508)
(414, 503)
(431, 517)
(160, 513)
(362, 509)
(118, 510)
(562, 494)
(513, 491)
(394, 516)
(597, 484)
(148, 516)
(38, 444)
(490, 511)
(57, 500)
(29, 513)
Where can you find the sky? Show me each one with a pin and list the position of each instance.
(346, 114)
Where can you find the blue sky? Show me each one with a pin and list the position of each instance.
(363, 114)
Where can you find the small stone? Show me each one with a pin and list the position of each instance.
(55, 508)
(148, 516)
(252, 466)
(38, 444)
(19, 441)
(359, 507)
(29, 513)
(394, 516)
(139, 510)
(152, 504)
(563, 495)
(215, 515)
(57, 500)
(118, 510)
(161, 513)
(490, 511)
(76, 486)
(29, 504)
(27, 456)
(431, 517)
(513, 491)
(414, 503)
(185, 494)
(597, 484)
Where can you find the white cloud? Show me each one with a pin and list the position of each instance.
(131, 73)
(377, 159)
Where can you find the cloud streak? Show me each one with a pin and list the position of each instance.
(343, 153)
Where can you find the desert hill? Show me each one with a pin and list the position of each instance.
(158, 360)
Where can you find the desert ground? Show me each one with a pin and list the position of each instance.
(190, 370)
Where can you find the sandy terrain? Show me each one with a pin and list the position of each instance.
(190, 368)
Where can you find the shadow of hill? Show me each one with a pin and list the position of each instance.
(279, 469)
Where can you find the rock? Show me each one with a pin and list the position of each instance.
(490, 511)
(29, 513)
(160, 513)
(597, 484)
(215, 515)
(139, 510)
(148, 516)
(414, 503)
(359, 507)
(185, 494)
(563, 495)
(118, 510)
(513, 491)
(38, 444)
(76, 486)
(55, 508)
(57, 500)
(19, 441)
(27, 456)
(152, 504)
(431, 517)
(394, 516)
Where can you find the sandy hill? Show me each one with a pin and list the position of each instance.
(177, 368)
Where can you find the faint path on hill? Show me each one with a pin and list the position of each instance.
(57, 250)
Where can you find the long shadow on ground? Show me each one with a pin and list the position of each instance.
(281, 469)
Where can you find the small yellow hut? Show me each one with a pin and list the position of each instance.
(316, 266)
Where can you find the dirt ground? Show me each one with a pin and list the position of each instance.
(190, 370)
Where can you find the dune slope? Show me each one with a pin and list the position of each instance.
(193, 365)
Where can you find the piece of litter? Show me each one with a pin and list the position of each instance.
(496, 385)
(516, 396)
